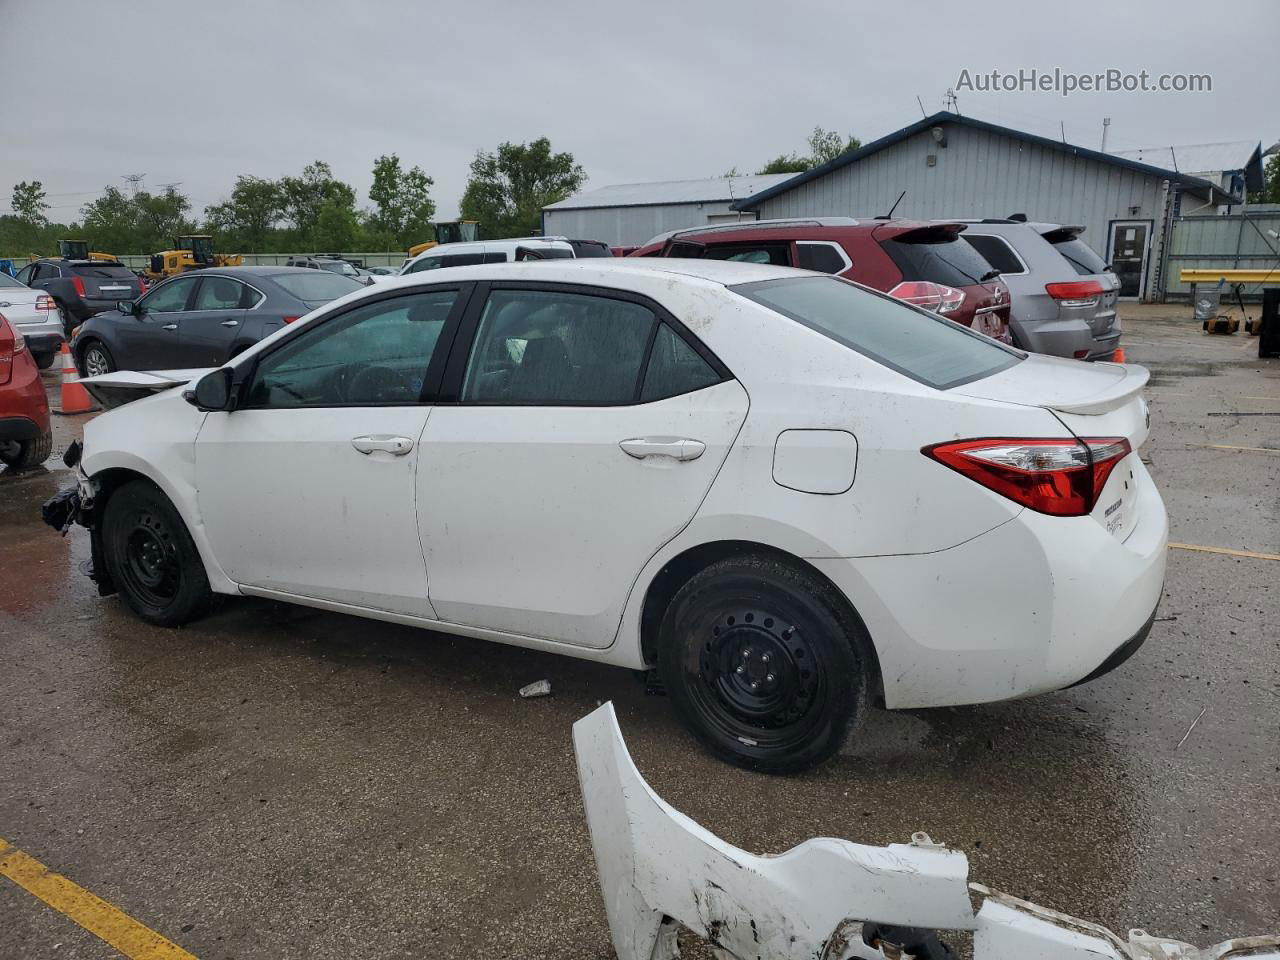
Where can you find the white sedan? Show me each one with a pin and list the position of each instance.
(792, 496)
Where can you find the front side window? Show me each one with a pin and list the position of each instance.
(924, 347)
(557, 348)
(169, 297)
(375, 354)
(996, 251)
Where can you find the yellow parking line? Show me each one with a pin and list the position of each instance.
(1227, 446)
(93, 913)
(1247, 554)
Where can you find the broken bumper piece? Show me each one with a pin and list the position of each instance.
(658, 869)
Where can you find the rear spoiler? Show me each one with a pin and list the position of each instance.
(1063, 233)
(124, 386)
(930, 233)
(1134, 379)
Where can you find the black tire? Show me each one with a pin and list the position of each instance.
(26, 453)
(764, 621)
(151, 558)
(43, 360)
(99, 348)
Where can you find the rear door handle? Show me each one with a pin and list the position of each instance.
(170, 326)
(230, 323)
(382, 443)
(678, 448)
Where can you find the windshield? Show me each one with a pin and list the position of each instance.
(315, 287)
(8, 281)
(917, 344)
(339, 266)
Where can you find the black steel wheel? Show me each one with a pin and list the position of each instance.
(765, 663)
(151, 558)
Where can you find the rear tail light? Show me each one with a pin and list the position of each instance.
(933, 297)
(45, 302)
(77, 284)
(1062, 478)
(288, 320)
(11, 343)
(1077, 293)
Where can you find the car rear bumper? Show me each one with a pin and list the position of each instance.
(1037, 604)
(1066, 338)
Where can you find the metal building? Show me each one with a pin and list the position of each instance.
(630, 214)
(955, 166)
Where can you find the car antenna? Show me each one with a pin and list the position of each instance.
(889, 215)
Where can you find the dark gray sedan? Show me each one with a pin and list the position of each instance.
(202, 318)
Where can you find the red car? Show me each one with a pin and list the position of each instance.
(25, 439)
(920, 262)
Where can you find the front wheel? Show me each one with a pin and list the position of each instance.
(765, 664)
(151, 557)
(97, 360)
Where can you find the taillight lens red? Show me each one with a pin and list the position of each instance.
(934, 297)
(11, 342)
(45, 302)
(1062, 478)
(1076, 293)
(77, 284)
(289, 320)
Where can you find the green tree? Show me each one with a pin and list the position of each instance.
(336, 227)
(824, 146)
(402, 198)
(1270, 192)
(111, 222)
(249, 217)
(28, 203)
(508, 188)
(160, 218)
(305, 196)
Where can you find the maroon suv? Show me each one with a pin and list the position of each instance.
(922, 263)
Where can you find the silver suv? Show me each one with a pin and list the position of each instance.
(1064, 295)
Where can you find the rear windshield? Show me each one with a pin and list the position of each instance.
(103, 272)
(928, 256)
(590, 248)
(917, 344)
(8, 281)
(317, 286)
(1079, 254)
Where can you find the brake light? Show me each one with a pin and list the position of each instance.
(7, 349)
(934, 297)
(288, 320)
(1076, 293)
(1062, 478)
(45, 302)
(77, 284)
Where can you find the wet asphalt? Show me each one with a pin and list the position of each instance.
(279, 782)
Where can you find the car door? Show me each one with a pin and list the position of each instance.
(207, 332)
(588, 428)
(148, 339)
(307, 488)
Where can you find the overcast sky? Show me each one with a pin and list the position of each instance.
(649, 90)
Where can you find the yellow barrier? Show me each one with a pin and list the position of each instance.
(1208, 275)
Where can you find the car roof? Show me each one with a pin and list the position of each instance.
(608, 269)
(816, 228)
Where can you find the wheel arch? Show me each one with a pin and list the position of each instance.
(679, 569)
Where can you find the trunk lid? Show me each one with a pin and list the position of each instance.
(1091, 400)
(108, 282)
(124, 386)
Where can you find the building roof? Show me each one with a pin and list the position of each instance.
(1205, 158)
(1215, 193)
(713, 190)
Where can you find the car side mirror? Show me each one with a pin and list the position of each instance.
(212, 391)
(128, 307)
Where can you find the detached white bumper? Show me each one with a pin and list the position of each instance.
(1034, 605)
(658, 869)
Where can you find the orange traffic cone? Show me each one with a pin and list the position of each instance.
(75, 398)
(1118, 356)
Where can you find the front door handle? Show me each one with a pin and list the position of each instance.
(230, 323)
(170, 326)
(678, 448)
(382, 443)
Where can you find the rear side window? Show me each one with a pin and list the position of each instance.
(925, 255)
(823, 257)
(917, 344)
(997, 252)
(1080, 255)
(461, 259)
(495, 257)
(674, 368)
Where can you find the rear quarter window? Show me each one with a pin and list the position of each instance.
(919, 345)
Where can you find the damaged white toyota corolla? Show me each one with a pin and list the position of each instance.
(791, 495)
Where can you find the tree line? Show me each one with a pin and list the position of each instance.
(314, 210)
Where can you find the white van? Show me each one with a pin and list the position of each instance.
(490, 251)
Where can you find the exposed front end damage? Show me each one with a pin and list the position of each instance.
(78, 505)
(825, 899)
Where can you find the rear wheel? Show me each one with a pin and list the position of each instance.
(96, 360)
(20, 454)
(765, 664)
(43, 360)
(151, 557)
